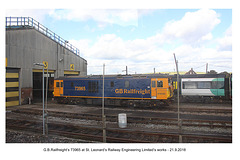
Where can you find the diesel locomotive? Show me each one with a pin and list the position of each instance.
(120, 90)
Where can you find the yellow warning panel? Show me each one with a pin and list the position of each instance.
(12, 94)
(11, 75)
(11, 84)
(12, 103)
(45, 64)
(71, 72)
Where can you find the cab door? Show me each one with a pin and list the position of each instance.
(154, 88)
(159, 88)
(58, 87)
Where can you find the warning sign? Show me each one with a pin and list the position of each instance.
(72, 67)
(45, 64)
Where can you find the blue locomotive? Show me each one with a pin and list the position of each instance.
(118, 90)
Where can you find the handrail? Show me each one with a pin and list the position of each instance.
(24, 22)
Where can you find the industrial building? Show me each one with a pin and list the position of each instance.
(28, 42)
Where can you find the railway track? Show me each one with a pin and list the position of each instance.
(173, 108)
(205, 110)
(94, 133)
(61, 123)
(203, 122)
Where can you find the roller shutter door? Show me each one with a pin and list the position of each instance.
(12, 87)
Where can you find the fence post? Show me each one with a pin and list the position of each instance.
(103, 114)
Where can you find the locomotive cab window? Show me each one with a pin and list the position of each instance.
(61, 84)
(159, 83)
(57, 84)
(170, 82)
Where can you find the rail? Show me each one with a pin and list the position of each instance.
(28, 22)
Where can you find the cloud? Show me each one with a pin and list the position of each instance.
(123, 17)
(37, 14)
(225, 43)
(193, 27)
(110, 46)
(142, 55)
(207, 37)
(229, 31)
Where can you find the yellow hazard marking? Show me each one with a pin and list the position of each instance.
(11, 75)
(12, 94)
(12, 84)
(12, 103)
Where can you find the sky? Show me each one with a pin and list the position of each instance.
(143, 39)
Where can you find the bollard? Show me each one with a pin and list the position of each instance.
(122, 120)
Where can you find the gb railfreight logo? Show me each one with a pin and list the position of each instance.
(132, 91)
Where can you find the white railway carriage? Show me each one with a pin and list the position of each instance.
(202, 87)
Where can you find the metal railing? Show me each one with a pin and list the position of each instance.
(28, 22)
